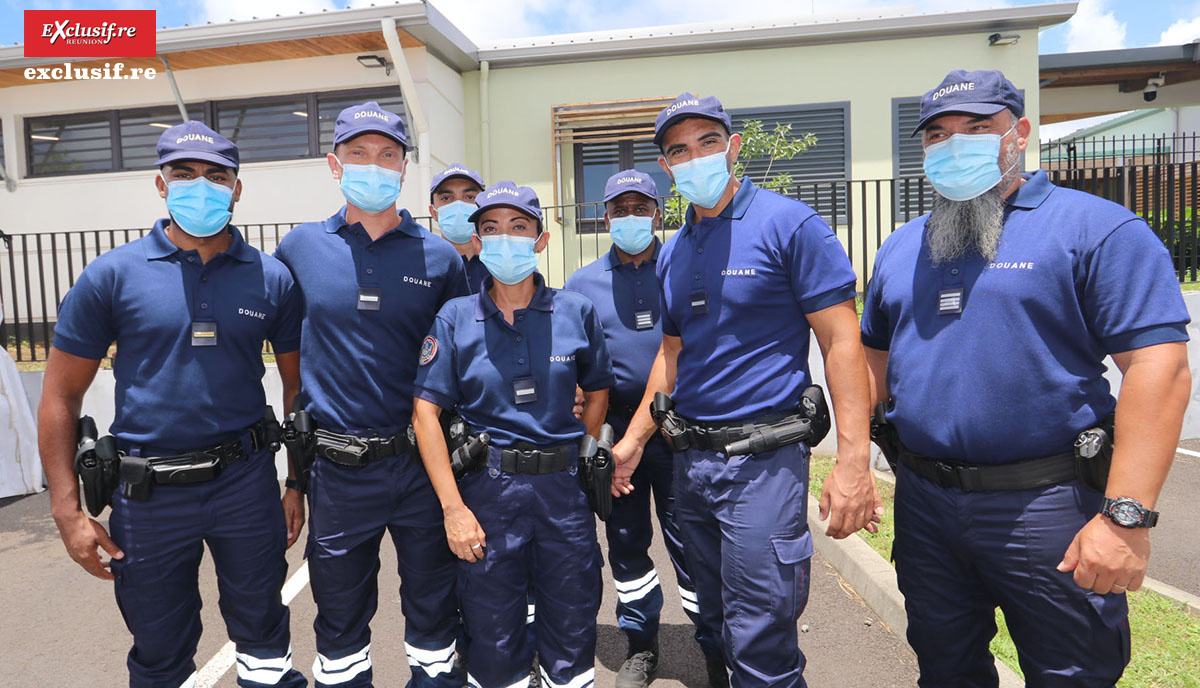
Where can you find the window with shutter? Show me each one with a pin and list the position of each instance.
(913, 194)
(602, 139)
(819, 173)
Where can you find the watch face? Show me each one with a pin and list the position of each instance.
(1126, 514)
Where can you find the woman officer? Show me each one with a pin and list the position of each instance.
(509, 359)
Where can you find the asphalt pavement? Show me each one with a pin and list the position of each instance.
(62, 627)
(1175, 541)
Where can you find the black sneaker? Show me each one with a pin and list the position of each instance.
(639, 669)
(718, 675)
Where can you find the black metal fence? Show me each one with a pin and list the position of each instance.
(42, 266)
(1166, 195)
(1120, 151)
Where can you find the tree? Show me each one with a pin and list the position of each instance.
(757, 145)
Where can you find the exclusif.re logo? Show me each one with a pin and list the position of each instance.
(89, 33)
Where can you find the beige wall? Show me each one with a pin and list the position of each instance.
(869, 76)
(282, 191)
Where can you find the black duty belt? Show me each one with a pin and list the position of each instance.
(622, 411)
(1019, 475)
(532, 460)
(354, 451)
(713, 436)
(205, 464)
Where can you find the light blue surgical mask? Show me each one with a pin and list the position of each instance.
(508, 258)
(965, 166)
(632, 233)
(200, 207)
(703, 180)
(370, 187)
(452, 219)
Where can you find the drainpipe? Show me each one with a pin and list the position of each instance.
(9, 182)
(409, 89)
(174, 88)
(485, 147)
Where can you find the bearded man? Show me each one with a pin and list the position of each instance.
(987, 323)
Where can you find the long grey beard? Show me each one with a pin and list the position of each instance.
(959, 228)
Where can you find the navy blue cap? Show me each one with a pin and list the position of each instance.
(507, 194)
(369, 118)
(983, 92)
(456, 170)
(630, 180)
(688, 105)
(195, 141)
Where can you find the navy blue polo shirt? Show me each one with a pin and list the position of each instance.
(172, 396)
(753, 273)
(627, 303)
(476, 272)
(1020, 372)
(475, 360)
(357, 365)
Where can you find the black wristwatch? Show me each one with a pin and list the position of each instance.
(1129, 513)
(291, 484)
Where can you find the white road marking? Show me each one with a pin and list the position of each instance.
(1187, 452)
(221, 662)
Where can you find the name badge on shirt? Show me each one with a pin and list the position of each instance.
(643, 320)
(525, 390)
(369, 298)
(204, 334)
(699, 301)
(950, 301)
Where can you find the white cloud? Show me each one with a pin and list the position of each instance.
(1092, 28)
(1182, 31)
(217, 11)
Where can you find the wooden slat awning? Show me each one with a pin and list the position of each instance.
(232, 55)
(606, 121)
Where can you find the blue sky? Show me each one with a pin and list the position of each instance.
(1098, 24)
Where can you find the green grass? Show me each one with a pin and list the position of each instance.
(1190, 286)
(1166, 639)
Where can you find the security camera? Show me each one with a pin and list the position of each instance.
(1152, 85)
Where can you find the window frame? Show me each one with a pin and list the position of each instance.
(210, 110)
(114, 146)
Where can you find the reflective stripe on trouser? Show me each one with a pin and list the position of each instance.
(960, 555)
(744, 526)
(351, 508)
(630, 530)
(540, 531)
(156, 584)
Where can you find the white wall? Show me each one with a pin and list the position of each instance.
(1082, 100)
(284, 191)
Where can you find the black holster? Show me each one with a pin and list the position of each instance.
(674, 428)
(1093, 455)
(814, 407)
(300, 438)
(96, 462)
(884, 434)
(596, 471)
(810, 427)
(468, 453)
(138, 477)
